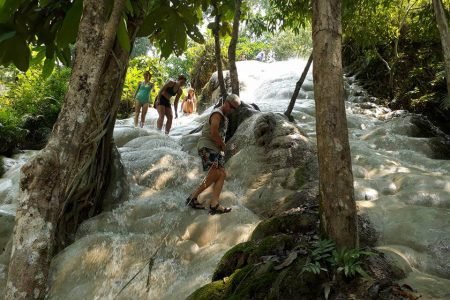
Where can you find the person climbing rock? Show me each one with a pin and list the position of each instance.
(171, 88)
(211, 147)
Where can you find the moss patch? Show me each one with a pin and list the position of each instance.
(212, 291)
(235, 258)
(294, 222)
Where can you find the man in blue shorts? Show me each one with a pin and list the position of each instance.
(211, 147)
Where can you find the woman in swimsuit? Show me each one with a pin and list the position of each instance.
(188, 105)
(171, 88)
(142, 97)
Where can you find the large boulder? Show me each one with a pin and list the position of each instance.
(276, 162)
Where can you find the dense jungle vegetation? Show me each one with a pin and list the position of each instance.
(382, 42)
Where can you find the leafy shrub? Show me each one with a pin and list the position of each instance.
(29, 94)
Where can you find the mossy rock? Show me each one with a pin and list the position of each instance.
(291, 222)
(233, 259)
(212, 291)
(251, 252)
(2, 166)
(261, 281)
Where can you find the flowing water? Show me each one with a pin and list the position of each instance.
(153, 247)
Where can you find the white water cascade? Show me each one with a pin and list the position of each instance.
(404, 191)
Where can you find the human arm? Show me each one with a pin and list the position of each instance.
(194, 101)
(137, 90)
(215, 120)
(175, 103)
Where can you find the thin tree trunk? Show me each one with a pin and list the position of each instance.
(390, 70)
(62, 184)
(298, 85)
(216, 30)
(442, 24)
(232, 48)
(337, 204)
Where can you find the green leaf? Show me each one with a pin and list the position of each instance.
(195, 34)
(49, 65)
(67, 34)
(65, 56)
(22, 53)
(7, 8)
(361, 272)
(7, 35)
(129, 7)
(122, 35)
(153, 21)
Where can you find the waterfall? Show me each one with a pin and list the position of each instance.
(153, 247)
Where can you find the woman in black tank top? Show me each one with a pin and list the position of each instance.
(171, 88)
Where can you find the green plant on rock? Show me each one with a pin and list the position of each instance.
(315, 262)
(349, 261)
(326, 258)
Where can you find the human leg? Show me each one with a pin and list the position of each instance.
(169, 116)
(212, 176)
(137, 109)
(218, 184)
(144, 113)
(161, 112)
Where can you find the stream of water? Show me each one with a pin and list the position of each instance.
(399, 183)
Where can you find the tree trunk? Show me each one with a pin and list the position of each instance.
(218, 54)
(298, 85)
(445, 38)
(62, 184)
(232, 48)
(337, 204)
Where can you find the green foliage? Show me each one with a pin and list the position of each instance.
(169, 23)
(31, 94)
(52, 26)
(248, 48)
(275, 16)
(288, 44)
(141, 47)
(326, 258)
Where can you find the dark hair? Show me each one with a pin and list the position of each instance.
(182, 77)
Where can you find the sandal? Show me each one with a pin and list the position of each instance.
(193, 202)
(215, 210)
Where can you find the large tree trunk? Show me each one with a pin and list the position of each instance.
(445, 37)
(62, 185)
(337, 204)
(298, 85)
(232, 48)
(216, 31)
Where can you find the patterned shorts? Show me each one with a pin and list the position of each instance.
(209, 157)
